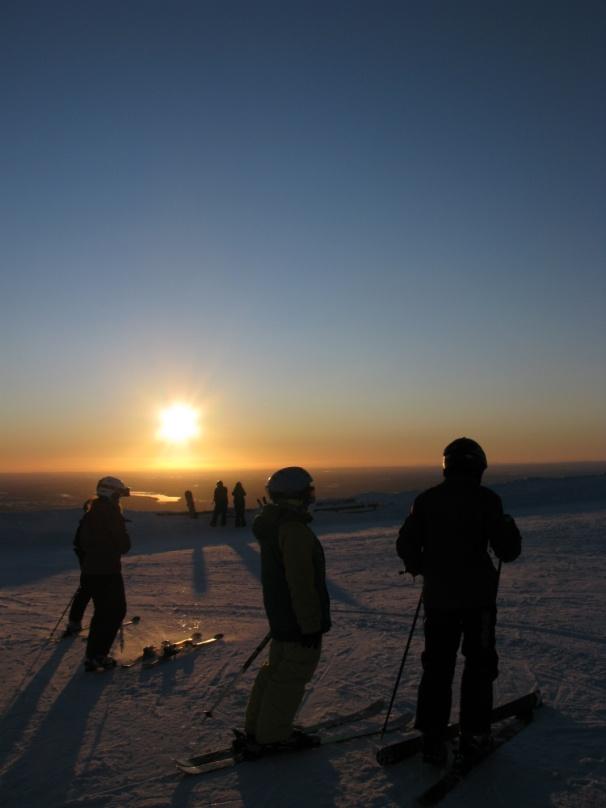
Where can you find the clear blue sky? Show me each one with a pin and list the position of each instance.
(348, 231)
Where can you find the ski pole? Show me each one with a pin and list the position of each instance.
(228, 685)
(399, 676)
(71, 600)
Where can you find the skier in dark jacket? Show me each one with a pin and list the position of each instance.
(298, 610)
(446, 539)
(239, 497)
(220, 500)
(100, 542)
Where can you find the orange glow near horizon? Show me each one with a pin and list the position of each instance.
(149, 436)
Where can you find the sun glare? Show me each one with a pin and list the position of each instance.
(179, 423)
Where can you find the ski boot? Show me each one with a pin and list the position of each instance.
(245, 747)
(299, 739)
(434, 749)
(99, 663)
(472, 748)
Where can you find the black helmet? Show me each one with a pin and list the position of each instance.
(464, 455)
(292, 482)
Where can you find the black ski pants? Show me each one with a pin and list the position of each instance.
(107, 592)
(240, 515)
(443, 632)
(220, 512)
(80, 601)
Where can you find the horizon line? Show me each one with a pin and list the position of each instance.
(319, 467)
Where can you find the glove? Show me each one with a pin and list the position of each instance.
(311, 640)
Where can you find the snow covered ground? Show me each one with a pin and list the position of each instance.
(74, 739)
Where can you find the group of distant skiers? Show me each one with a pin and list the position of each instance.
(220, 504)
(446, 539)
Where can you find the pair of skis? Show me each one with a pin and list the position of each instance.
(224, 758)
(511, 717)
(151, 655)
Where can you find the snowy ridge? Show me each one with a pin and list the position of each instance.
(530, 494)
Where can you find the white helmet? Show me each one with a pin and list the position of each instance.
(112, 487)
(292, 482)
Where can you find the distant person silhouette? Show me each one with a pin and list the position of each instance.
(298, 609)
(220, 500)
(100, 542)
(446, 539)
(239, 497)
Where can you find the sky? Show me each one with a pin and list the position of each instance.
(344, 232)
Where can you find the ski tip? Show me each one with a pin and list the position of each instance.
(186, 769)
(218, 636)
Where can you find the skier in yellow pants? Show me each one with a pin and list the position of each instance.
(298, 609)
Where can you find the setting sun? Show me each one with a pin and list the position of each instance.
(179, 423)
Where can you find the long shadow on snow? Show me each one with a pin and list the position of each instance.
(198, 564)
(44, 774)
(189, 538)
(24, 704)
(252, 562)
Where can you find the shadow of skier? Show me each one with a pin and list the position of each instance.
(56, 746)
(25, 703)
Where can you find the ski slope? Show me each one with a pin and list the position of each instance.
(74, 739)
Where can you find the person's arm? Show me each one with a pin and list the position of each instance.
(409, 544)
(505, 538)
(297, 546)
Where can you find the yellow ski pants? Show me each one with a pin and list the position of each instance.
(278, 690)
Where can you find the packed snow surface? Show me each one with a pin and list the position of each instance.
(73, 739)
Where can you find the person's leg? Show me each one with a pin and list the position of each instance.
(110, 608)
(283, 691)
(442, 636)
(256, 695)
(481, 669)
(80, 602)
